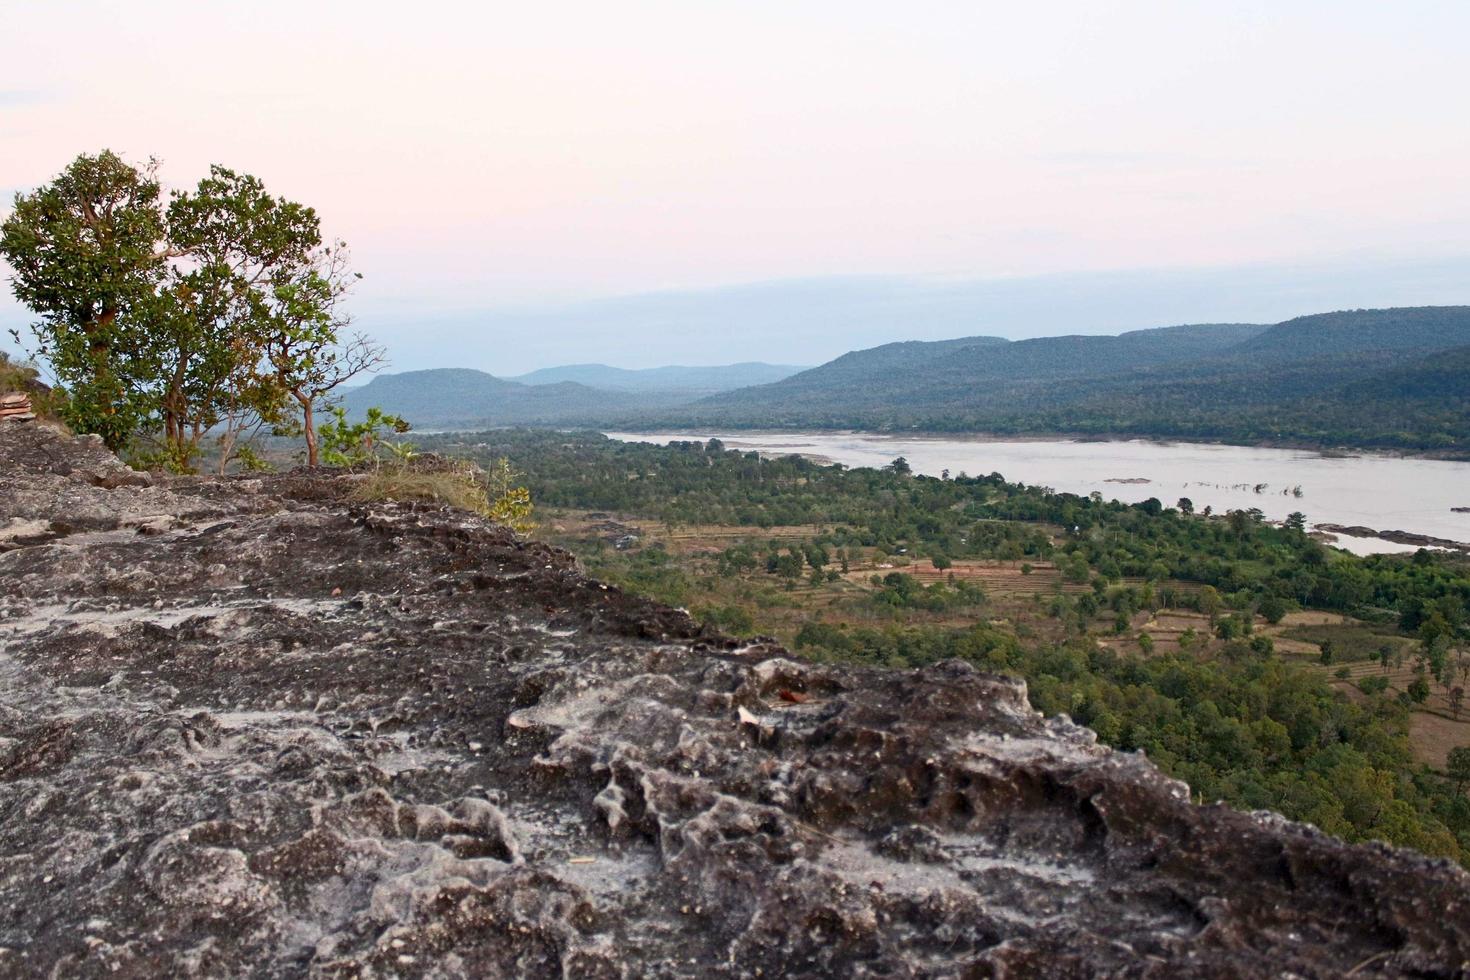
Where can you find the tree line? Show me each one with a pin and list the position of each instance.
(214, 312)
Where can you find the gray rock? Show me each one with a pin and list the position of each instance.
(248, 728)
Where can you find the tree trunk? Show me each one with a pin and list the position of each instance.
(308, 426)
(226, 449)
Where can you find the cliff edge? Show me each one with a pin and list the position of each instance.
(251, 728)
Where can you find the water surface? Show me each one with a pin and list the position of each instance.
(1381, 492)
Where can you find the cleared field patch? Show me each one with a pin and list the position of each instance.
(1165, 628)
(1350, 640)
(1433, 735)
(1313, 617)
(718, 537)
(998, 577)
(693, 539)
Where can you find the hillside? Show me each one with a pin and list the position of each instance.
(1301, 380)
(886, 378)
(258, 729)
(692, 381)
(1421, 328)
(874, 363)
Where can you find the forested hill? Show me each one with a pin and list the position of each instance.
(1421, 328)
(863, 365)
(1364, 377)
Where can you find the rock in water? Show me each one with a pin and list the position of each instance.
(250, 728)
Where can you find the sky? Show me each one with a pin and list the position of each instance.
(696, 182)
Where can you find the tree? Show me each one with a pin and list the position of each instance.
(1210, 602)
(253, 401)
(162, 320)
(303, 342)
(1418, 689)
(1457, 765)
(88, 252)
(900, 466)
(509, 502)
(344, 443)
(239, 243)
(1272, 608)
(1242, 522)
(1185, 505)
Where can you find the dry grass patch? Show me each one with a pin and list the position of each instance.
(1431, 736)
(453, 488)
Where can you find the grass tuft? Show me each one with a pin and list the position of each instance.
(455, 488)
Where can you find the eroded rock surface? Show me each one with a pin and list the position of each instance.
(248, 728)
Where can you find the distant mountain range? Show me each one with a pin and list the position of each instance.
(576, 393)
(1386, 378)
(1390, 378)
(703, 380)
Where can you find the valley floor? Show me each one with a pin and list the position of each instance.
(1016, 592)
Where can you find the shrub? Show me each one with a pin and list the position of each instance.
(346, 443)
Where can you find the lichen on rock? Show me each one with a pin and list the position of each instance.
(249, 727)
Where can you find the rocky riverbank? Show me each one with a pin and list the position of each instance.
(248, 727)
(1397, 537)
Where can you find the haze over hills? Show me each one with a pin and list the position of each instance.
(701, 380)
(577, 393)
(463, 397)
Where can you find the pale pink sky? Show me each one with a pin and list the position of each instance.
(496, 154)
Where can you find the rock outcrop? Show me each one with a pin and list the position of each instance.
(16, 406)
(1397, 537)
(250, 728)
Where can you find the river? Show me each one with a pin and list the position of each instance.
(1376, 491)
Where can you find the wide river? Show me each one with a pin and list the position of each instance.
(1381, 492)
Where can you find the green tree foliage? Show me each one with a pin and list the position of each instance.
(207, 313)
(1457, 766)
(88, 255)
(208, 324)
(345, 443)
(509, 502)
